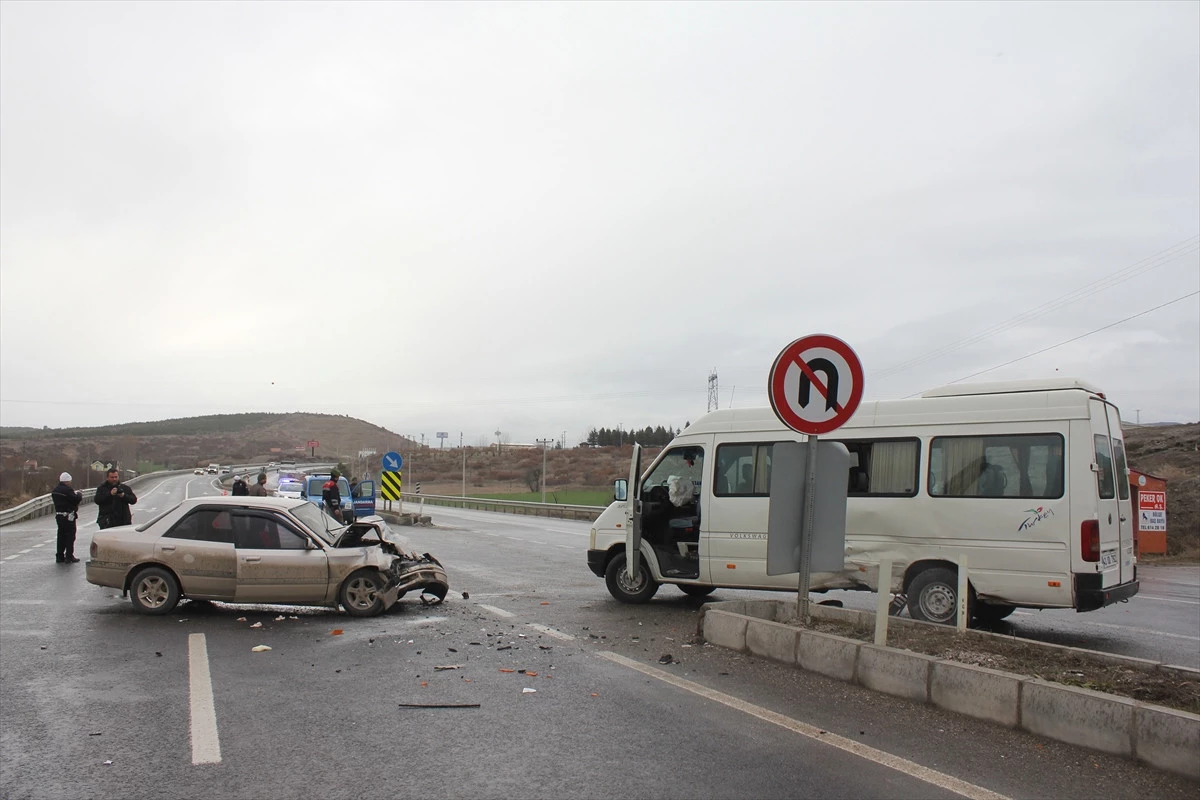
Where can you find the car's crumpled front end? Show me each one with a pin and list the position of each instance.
(405, 569)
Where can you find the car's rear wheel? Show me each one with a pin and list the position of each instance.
(154, 590)
(362, 593)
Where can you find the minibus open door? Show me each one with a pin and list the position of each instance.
(633, 515)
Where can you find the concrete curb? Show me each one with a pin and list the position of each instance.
(1161, 737)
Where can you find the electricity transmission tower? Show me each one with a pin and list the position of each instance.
(713, 397)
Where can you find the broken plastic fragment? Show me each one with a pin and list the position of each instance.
(279, 618)
(507, 670)
(450, 666)
(527, 690)
(241, 619)
(545, 602)
(595, 695)
(260, 648)
(336, 632)
(108, 763)
(530, 673)
(256, 625)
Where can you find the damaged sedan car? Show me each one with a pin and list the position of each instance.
(262, 550)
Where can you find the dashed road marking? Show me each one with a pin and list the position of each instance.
(565, 546)
(206, 743)
(910, 768)
(499, 612)
(1129, 629)
(10, 558)
(26, 550)
(1168, 599)
(41, 544)
(515, 538)
(566, 637)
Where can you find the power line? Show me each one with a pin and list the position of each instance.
(1174, 253)
(1073, 339)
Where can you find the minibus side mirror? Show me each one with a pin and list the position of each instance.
(620, 490)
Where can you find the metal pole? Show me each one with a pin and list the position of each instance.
(806, 533)
(883, 597)
(543, 443)
(464, 458)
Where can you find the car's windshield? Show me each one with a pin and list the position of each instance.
(317, 521)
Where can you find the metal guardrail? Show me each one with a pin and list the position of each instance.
(557, 510)
(42, 505)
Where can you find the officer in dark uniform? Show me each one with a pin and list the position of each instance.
(66, 511)
(114, 498)
(239, 486)
(332, 496)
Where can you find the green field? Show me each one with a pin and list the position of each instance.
(572, 498)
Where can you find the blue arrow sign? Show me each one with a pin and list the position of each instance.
(392, 462)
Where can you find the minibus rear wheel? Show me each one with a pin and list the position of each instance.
(620, 587)
(933, 596)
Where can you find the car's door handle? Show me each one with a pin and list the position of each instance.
(1124, 519)
(168, 547)
(254, 559)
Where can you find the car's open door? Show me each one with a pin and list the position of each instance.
(633, 515)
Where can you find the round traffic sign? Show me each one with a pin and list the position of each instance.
(392, 462)
(815, 384)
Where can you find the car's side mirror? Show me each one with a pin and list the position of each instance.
(621, 489)
(308, 545)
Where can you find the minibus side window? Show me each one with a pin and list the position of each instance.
(885, 467)
(1104, 478)
(743, 470)
(1022, 465)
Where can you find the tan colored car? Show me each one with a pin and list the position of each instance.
(261, 550)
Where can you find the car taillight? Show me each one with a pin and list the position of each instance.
(1089, 540)
(92, 549)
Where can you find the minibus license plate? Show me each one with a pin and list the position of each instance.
(1108, 558)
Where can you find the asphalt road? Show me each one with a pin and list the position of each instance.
(85, 681)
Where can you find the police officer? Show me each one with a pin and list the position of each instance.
(239, 486)
(114, 498)
(332, 496)
(66, 511)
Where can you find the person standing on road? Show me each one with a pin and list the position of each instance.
(66, 511)
(332, 496)
(259, 489)
(239, 487)
(114, 498)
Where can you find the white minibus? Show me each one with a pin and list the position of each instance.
(1027, 480)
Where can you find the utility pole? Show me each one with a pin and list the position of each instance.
(464, 458)
(543, 443)
(1139, 416)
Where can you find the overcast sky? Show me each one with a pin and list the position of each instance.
(539, 218)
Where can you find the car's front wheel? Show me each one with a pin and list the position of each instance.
(154, 590)
(362, 593)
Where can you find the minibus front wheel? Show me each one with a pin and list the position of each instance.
(625, 590)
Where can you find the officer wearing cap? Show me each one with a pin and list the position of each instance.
(332, 496)
(66, 511)
(239, 486)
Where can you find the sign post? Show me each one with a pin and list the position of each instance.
(313, 444)
(391, 479)
(815, 385)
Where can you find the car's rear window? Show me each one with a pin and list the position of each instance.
(141, 528)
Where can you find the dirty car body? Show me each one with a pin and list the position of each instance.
(262, 550)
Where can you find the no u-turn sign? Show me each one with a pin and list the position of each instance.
(816, 384)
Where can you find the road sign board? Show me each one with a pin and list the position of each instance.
(392, 462)
(785, 517)
(390, 484)
(815, 384)
(313, 443)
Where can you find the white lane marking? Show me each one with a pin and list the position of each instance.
(566, 637)
(566, 547)
(493, 534)
(1126, 628)
(1169, 599)
(910, 768)
(499, 612)
(26, 550)
(206, 744)
(41, 544)
(10, 558)
(515, 538)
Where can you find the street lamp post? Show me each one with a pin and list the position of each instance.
(543, 443)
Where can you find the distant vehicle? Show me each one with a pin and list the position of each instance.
(261, 550)
(287, 462)
(1027, 477)
(198, 471)
(225, 470)
(271, 465)
(291, 489)
(213, 469)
